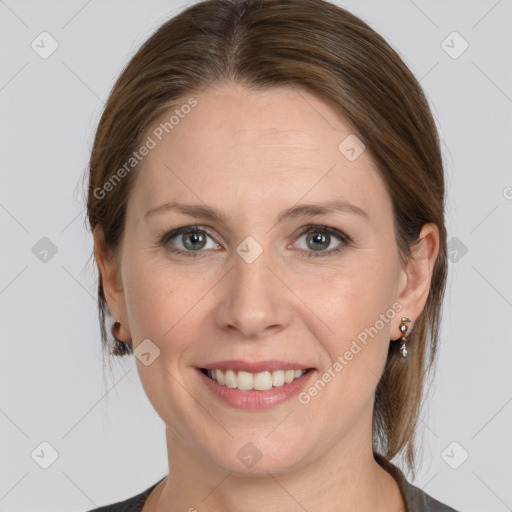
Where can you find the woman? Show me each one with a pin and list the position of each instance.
(266, 195)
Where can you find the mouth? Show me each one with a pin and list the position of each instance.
(257, 381)
(255, 385)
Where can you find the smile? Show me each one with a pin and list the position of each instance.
(246, 381)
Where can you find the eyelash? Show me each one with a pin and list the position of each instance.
(318, 228)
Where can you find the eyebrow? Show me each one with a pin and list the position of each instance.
(295, 212)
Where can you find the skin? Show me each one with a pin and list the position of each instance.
(252, 155)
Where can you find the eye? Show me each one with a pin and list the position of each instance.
(189, 239)
(320, 238)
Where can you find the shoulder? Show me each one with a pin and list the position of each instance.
(419, 501)
(415, 499)
(133, 504)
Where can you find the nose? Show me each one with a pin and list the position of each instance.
(253, 300)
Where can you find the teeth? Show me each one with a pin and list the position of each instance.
(220, 377)
(277, 378)
(230, 379)
(289, 375)
(262, 381)
(244, 380)
(254, 381)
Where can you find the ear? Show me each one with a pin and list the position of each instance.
(112, 283)
(416, 276)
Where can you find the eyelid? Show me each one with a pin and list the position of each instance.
(327, 229)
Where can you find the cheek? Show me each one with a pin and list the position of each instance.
(163, 302)
(357, 306)
(355, 352)
(151, 295)
(351, 297)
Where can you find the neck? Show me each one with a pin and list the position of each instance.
(341, 480)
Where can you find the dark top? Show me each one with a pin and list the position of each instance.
(415, 499)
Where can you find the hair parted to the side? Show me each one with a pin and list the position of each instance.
(309, 45)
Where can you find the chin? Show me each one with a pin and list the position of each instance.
(256, 456)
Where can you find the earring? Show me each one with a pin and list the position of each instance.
(121, 347)
(403, 329)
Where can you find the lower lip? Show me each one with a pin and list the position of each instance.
(256, 400)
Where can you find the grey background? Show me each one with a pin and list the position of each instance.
(110, 442)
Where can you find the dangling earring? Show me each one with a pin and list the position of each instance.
(403, 329)
(121, 347)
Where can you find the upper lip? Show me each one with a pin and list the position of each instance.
(254, 366)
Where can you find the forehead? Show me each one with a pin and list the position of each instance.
(252, 148)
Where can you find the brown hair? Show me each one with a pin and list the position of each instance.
(327, 51)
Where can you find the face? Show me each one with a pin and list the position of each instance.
(267, 285)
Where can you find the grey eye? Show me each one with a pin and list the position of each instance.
(191, 240)
(319, 240)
